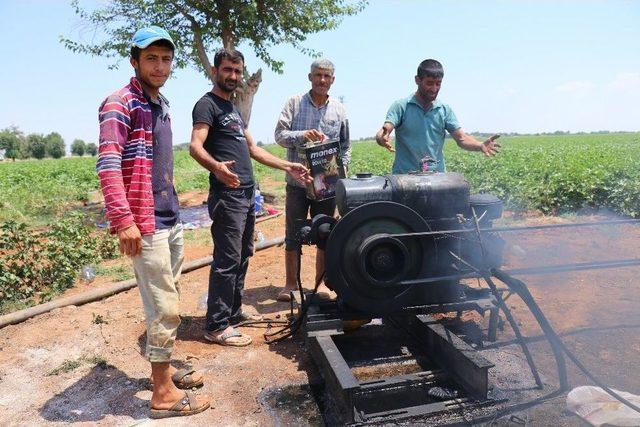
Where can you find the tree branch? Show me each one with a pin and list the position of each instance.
(197, 39)
(202, 53)
(227, 30)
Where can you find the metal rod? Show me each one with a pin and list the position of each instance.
(530, 271)
(503, 306)
(425, 280)
(572, 267)
(516, 330)
(520, 228)
(569, 225)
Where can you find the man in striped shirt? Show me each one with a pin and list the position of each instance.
(135, 167)
(310, 116)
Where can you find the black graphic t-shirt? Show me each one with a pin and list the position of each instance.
(225, 140)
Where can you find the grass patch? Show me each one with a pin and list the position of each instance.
(71, 365)
(118, 272)
(198, 237)
(98, 319)
(66, 366)
(40, 191)
(550, 173)
(38, 265)
(98, 361)
(11, 306)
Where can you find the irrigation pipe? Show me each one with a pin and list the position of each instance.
(107, 291)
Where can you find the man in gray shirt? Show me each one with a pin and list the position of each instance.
(310, 116)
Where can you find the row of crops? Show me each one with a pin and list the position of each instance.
(559, 173)
(552, 174)
(547, 173)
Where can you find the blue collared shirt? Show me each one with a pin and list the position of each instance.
(420, 133)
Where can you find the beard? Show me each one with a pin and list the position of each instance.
(227, 85)
(148, 82)
(428, 96)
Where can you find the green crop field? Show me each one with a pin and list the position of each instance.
(36, 191)
(552, 174)
(562, 173)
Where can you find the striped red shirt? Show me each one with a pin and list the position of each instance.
(125, 157)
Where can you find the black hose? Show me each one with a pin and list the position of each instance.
(252, 323)
(554, 340)
(523, 292)
(298, 279)
(520, 338)
(296, 323)
(505, 309)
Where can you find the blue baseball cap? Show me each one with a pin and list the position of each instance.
(145, 36)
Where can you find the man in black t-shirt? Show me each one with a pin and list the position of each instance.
(222, 145)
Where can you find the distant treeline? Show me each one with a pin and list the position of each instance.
(185, 146)
(557, 132)
(16, 145)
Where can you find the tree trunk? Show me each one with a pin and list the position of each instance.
(243, 96)
(244, 93)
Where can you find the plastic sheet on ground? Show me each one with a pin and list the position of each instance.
(597, 407)
(198, 216)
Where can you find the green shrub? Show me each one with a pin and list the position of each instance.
(35, 265)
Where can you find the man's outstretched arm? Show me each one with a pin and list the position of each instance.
(296, 170)
(467, 142)
(383, 137)
(221, 170)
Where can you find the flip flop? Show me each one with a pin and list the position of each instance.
(228, 339)
(187, 405)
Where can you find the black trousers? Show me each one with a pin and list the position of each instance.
(233, 214)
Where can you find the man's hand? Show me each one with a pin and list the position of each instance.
(490, 147)
(383, 137)
(313, 135)
(299, 173)
(223, 173)
(130, 241)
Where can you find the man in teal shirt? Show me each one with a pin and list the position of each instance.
(420, 122)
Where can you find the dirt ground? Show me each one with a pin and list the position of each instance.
(82, 365)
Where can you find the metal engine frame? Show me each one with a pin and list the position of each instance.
(455, 361)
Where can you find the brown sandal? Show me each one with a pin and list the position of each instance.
(183, 379)
(187, 405)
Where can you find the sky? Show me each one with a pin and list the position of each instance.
(510, 66)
